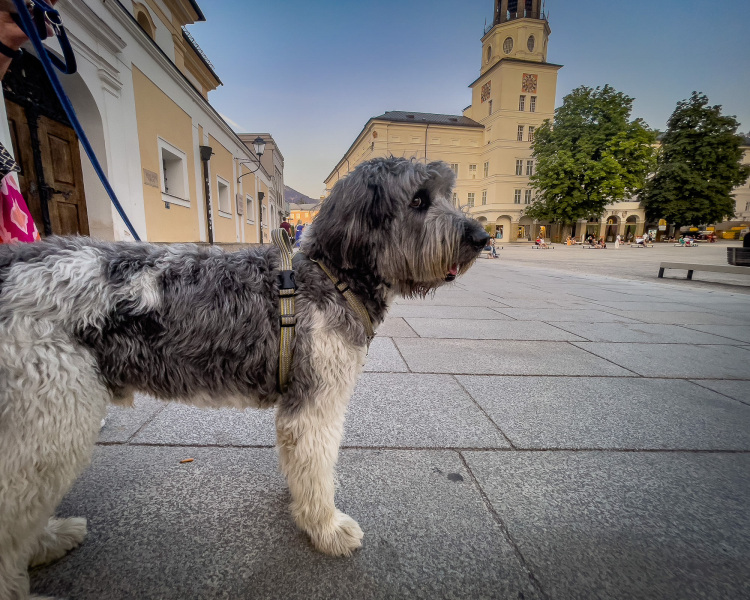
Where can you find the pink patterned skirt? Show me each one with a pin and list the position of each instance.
(16, 223)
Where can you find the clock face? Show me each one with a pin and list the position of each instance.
(530, 43)
(508, 45)
(528, 83)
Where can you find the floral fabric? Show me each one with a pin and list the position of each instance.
(16, 223)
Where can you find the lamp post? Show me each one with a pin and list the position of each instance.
(259, 145)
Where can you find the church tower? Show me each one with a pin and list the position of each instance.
(511, 98)
(519, 30)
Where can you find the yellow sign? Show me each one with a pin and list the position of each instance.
(662, 222)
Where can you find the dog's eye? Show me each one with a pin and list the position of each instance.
(420, 200)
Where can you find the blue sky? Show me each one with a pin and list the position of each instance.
(313, 73)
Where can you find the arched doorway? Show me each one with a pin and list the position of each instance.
(631, 228)
(592, 228)
(525, 229)
(502, 228)
(46, 148)
(613, 224)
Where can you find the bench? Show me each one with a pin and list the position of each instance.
(545, 247)
(641, 246)
(689, 267)
(693, 245)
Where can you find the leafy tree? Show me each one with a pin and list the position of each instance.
(591, 156)
(698, 166)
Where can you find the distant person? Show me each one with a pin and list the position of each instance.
(493, 250)
(286, 227)
(617, 242)
(746, 240)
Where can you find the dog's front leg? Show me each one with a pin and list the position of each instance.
(308, 435)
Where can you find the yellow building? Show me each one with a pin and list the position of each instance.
(141, 93)
(489, 145)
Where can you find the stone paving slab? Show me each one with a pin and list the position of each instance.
(642, 333)
(183, 425)
(123, 422)
(395, 327)
(615, 413)
(490, 330)
(458, 298)
(739, 333)
(555, 314)
(666, 306)
(444, 312)
(625, 525)
(522, 358)
(418, 411)
(219, 527)
(739, 390)
(676, 317)
(674, 360)
(384, 356)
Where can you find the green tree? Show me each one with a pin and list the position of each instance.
(698, 166)
(591, 156)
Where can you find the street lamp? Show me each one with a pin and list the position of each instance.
(259, 145)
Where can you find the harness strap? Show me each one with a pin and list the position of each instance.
(287, 291)
(354, 302)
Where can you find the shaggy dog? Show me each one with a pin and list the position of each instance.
(84, 323)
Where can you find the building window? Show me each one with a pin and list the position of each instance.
(473, 171)
(522, 103)
(471, 199)
(454, 166)
(531, 134)
(527, 197)
(519, 166)
(532, 104)
(519, 137)
(174, 179)
(249, 209)
(486, 169)
(222, 189)
(484, 197)
(517, 197)
(529, 168)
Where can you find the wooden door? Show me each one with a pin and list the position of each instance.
(63, 178)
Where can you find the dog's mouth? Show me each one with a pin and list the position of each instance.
(452, 272)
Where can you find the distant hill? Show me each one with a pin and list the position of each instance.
(294, 197)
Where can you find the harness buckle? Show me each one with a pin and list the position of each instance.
(286, 281)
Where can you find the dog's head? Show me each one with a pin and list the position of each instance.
(392, 218)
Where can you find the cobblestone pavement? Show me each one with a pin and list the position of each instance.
(557, 425)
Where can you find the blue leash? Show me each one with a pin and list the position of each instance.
(43, 15)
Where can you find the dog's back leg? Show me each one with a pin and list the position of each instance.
(51, 405)
(308, 435)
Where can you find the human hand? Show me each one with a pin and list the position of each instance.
(11, 34)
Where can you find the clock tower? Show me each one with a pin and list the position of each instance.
(513, 95)
(519, 30)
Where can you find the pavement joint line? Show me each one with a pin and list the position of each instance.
(676, 377)
(393, 341)
(147, 422)
(694, 382)
(552, 324)
(692, 328)
(406, 320)
(484, 412)
(504, 528)
(496, 449)
(607, 359)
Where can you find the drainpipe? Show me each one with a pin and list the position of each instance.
(206, 153)
(425, 142)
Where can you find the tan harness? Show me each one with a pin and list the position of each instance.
(287, 292)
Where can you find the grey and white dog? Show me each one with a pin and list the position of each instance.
(84, 323)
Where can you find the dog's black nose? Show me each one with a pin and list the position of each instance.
(476, 235)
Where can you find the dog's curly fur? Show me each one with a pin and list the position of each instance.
(83, 323)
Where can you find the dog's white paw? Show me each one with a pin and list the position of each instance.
(340, 537)
(60, 536)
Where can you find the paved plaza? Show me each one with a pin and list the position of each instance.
(559, 424)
